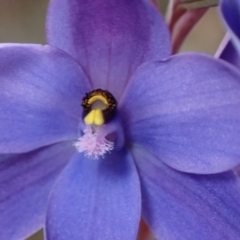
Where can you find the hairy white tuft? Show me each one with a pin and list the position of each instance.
(93, 144)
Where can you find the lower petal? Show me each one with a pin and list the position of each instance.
(182, 206)
(95, 199)
(25, 183)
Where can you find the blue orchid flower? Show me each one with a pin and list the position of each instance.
(229, 49)
(157, 136)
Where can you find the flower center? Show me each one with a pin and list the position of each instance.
(99, 108)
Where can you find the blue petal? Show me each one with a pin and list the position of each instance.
(25, 183)
(96, 199)
(186, 111)
(182, 206)
(230, 11)
(110, 39)
(40, 95)
(229, 53)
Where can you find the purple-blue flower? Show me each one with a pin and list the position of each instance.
(175, 132)
(229, 49)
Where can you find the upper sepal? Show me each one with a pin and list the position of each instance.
(110, 39)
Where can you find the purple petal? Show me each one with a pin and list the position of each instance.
(182, 206)
(230, 11)
(110, 39)
(96, 199)
(40, 95)
(228, 52)
(186, 112)
(25, 182)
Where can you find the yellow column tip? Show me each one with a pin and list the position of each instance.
(89, 119)
(98, 117)
(94, 117)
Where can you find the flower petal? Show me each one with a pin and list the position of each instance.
(230, 11)
(183, 206)
(40, 96)
(25, 183)
(228, 52)
(96, 199)
(110, 39)
(186, 112)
